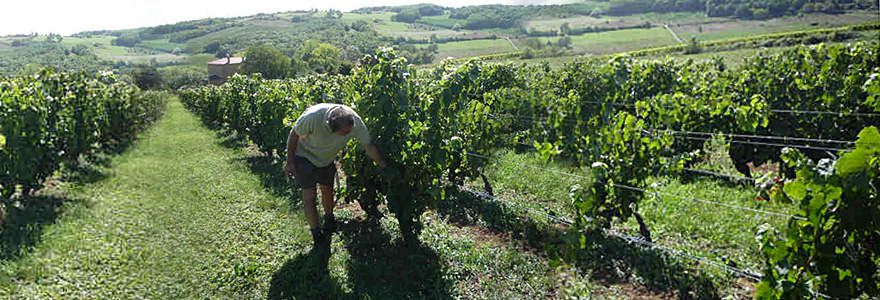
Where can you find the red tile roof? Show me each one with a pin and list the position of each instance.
(223, 61)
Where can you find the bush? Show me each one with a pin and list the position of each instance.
(127, 40)
(266, 60)
(407, 16)
(147, 78)
(174, 78)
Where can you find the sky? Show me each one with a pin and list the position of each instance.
(67, 17)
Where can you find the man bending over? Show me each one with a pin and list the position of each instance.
(318, 135)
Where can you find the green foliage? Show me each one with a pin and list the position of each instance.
(50, 118)
(51, 55)
(693, 46)
(323, 58)
(751, 9)
(617, 118)
(419, 55)
(383, 94)
(147, 77)
(267, 61)
(126, 40)
(833, 247)
(406, 16)
(174, 78)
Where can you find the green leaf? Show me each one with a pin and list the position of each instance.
(796, 189)
(855, 161)
(841, 273)
(869, 138)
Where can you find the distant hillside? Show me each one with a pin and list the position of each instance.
(427, 33)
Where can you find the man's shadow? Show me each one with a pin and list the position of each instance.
(378, 267)
(306, 277)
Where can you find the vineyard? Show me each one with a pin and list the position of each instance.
(808, 112)
(50, 120)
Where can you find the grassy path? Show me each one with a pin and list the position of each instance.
(185, 214)
(178, 216)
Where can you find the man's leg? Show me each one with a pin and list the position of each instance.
(309, 207)
(328, 201)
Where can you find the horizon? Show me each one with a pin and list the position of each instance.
(67, 18)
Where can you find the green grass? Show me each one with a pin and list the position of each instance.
(443, 21)
(200, 60)
(108, 50)
(473, 48)
(387, 26)
(176, 217)
(188, 213)
(741, 28)
(70, 41)
(619, 40)
(351, 17)
(698, 228)
(163, 45)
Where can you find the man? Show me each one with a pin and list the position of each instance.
(318, 135)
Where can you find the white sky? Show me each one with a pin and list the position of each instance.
(71, 16)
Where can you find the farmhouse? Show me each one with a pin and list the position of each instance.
(221, 69)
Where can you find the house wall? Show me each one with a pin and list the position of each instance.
(224, 71)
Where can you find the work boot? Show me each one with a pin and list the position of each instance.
(329, 224)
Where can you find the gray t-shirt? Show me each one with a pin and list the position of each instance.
(317, 143)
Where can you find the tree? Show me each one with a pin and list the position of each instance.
(324, 58)
(693, 47)
(564, 42)
(430, 10)
(126, 40)
(54, 38)
(223, 51)
(565, 29)
(176, 77)
(147, 77)
(334, 14)
(266, 60)
(298, 67)
(409, 15)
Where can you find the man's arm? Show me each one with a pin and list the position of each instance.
(373, 152)
(292, 143)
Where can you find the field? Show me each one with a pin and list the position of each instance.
(590, 43)
(505, 183)
(443, 21)
(591, 202)
(163, 45)
(618, 41)
(473, 48)
(730, 29)
(138, 229)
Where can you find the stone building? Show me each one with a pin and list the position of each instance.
(221, 69)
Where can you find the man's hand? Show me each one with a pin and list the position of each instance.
(289, 168)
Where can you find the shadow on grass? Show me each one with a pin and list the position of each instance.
(614, 260)
(86, 173)
(23, 228)
(230, 139)
(378, 267)
(266, 167)
(271, 176)
(609, 259)
(464, 208)
(306, 277)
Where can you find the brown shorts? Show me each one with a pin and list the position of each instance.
(307, 174)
